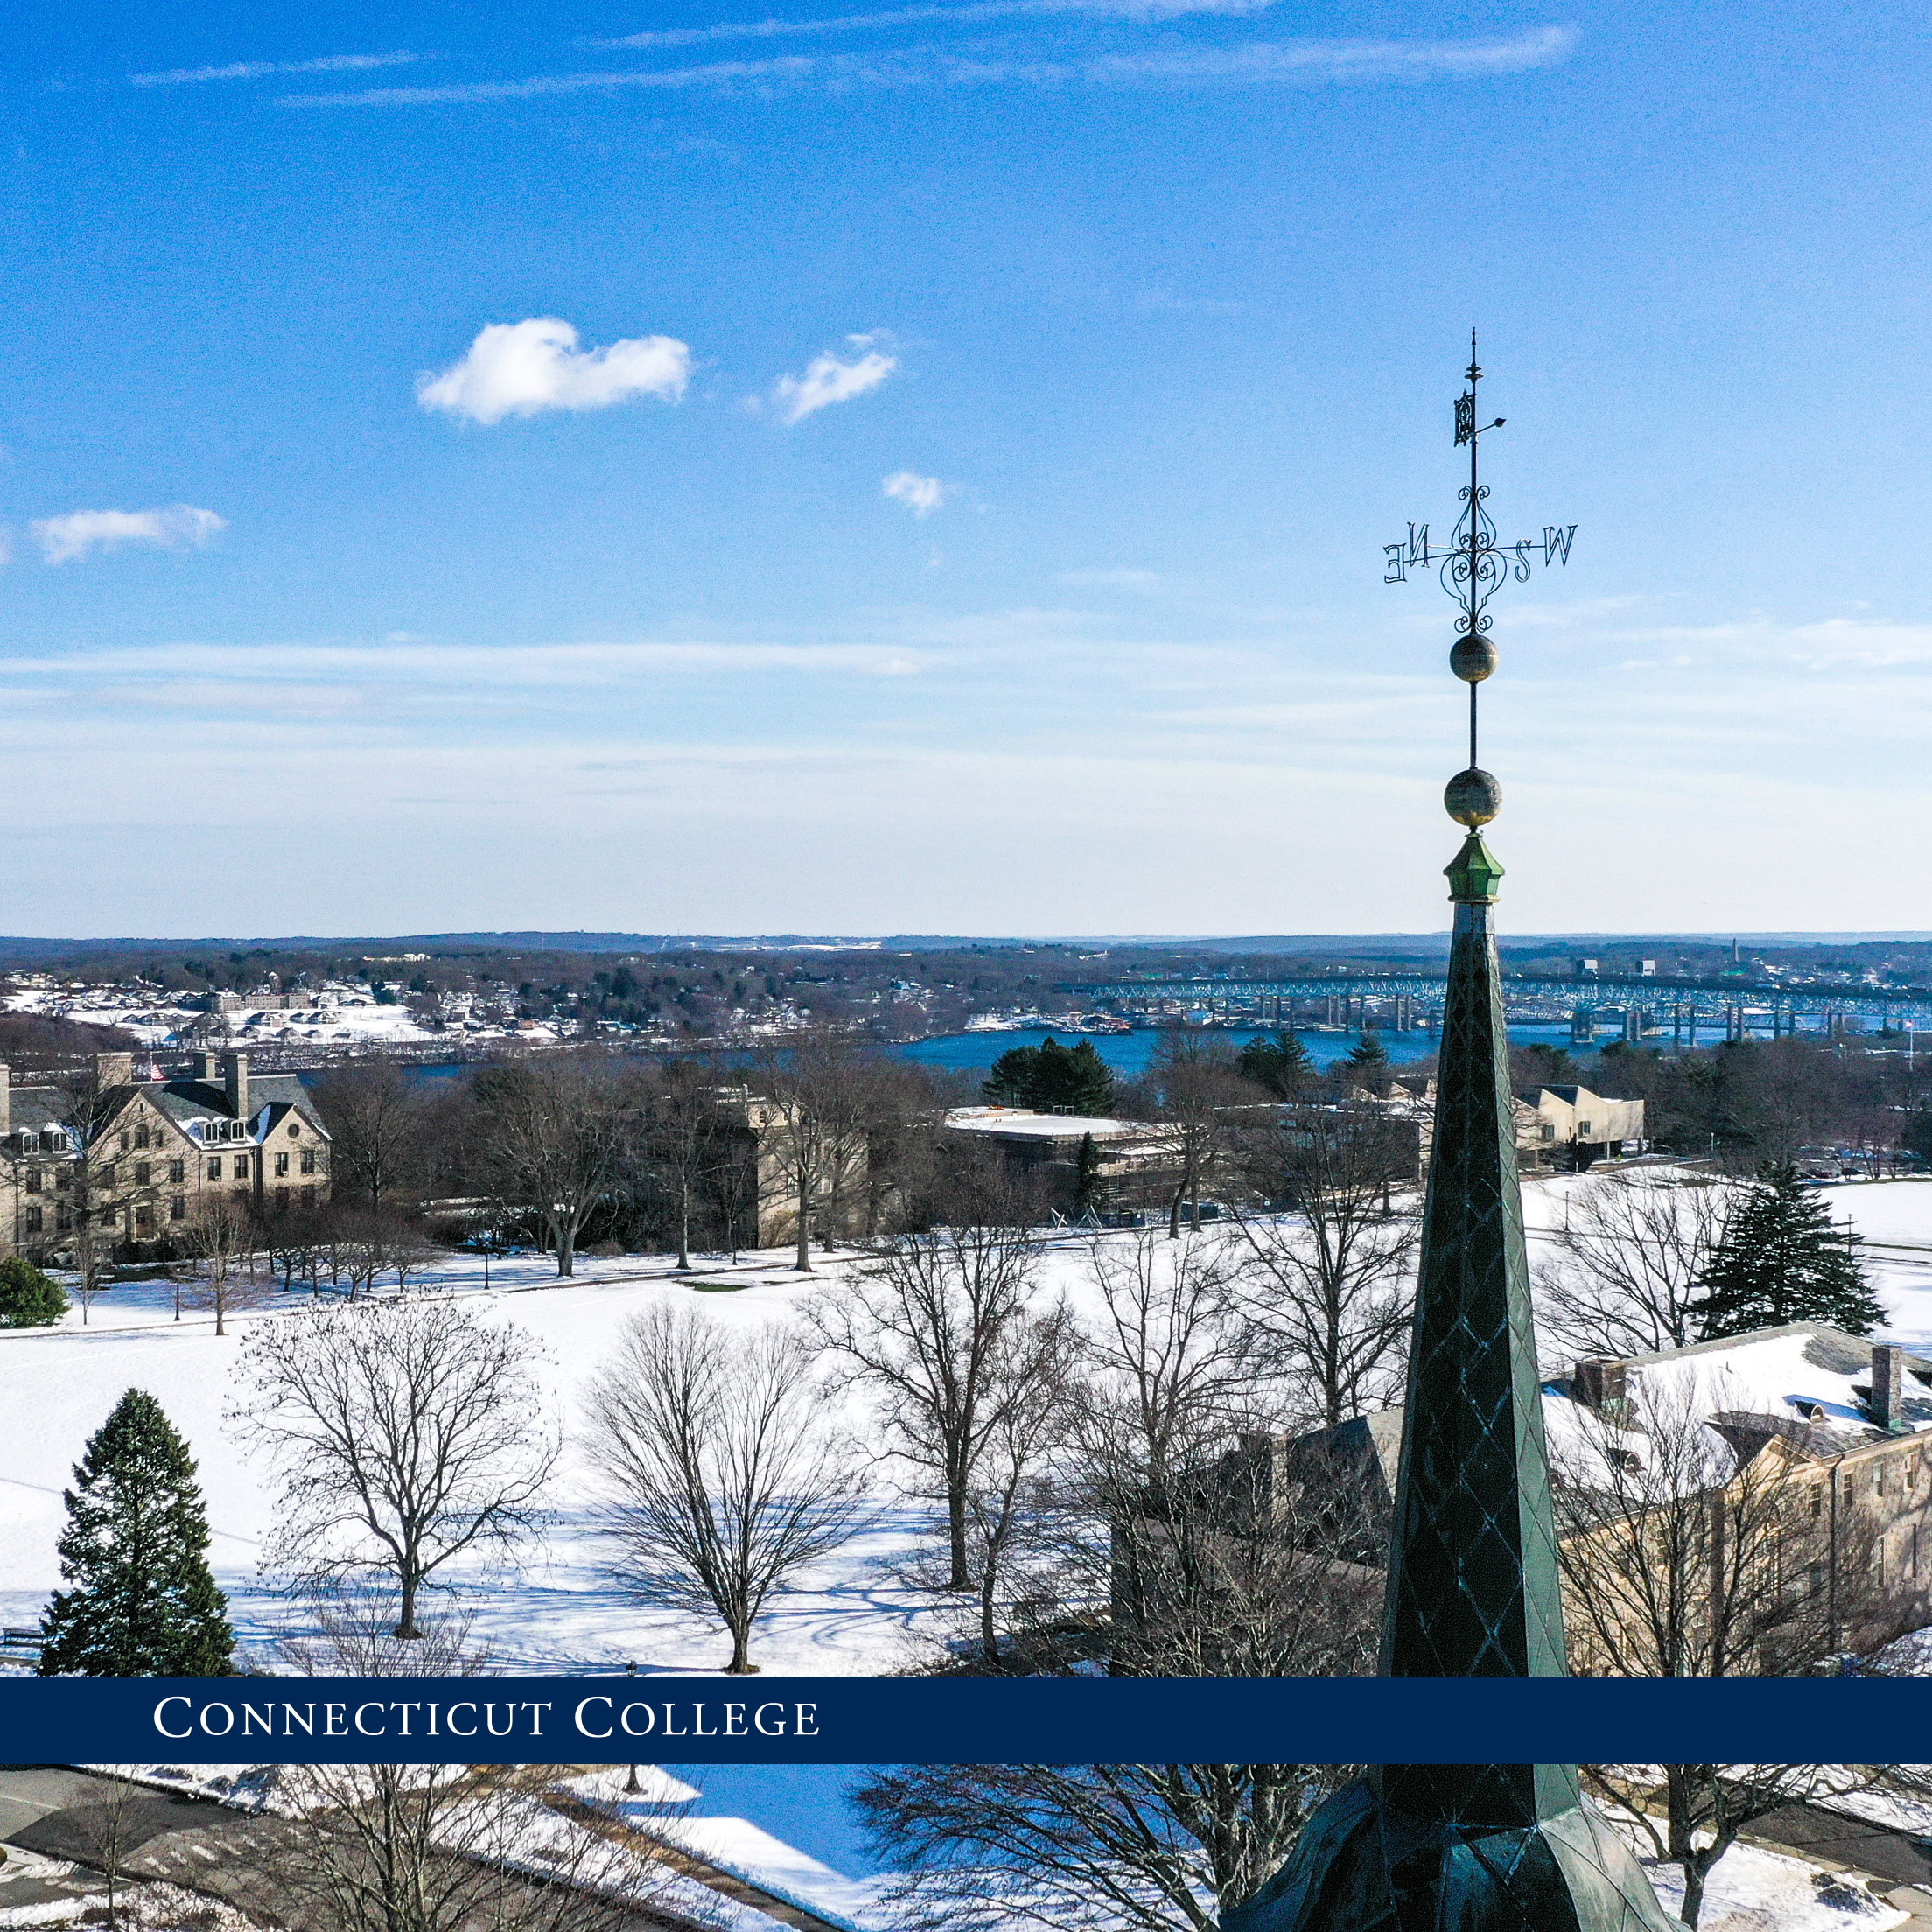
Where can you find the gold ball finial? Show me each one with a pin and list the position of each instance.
(1472, 797)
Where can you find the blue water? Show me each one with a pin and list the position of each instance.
(804, 1804)
(1128, 1053)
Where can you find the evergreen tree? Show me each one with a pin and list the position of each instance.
(1369, 1063)
(28, 1300)
(1780, 1260)
(1052, 1079)
(1280, 1063)
(1087, 1176)
(141, 1601)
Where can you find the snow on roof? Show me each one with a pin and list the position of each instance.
(1805, 1374)
(745, 1851)
(1039, 1126)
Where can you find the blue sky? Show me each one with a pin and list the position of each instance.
(927, 467)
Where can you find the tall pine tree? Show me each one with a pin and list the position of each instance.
(1281, 1063)
(1369, 1063)
(142, 1601)
(1053, 1079)
(1780, 1261)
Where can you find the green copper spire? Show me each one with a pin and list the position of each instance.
(1473, 1587)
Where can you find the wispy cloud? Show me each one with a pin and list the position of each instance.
(257, 70)
(1253, 63)
(920, 494)
(524, 368)
(972, 15)
(181, 528)
(827, 380)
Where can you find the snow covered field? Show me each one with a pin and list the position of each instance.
(852, 1613)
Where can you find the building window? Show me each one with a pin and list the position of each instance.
(178, 1170)
(33, 1181)
(1817, 1503)
(62, 1181)
(1549, 1132)
(215, 1166)
(241, 1166)
(308, 1197)
(178, 1208)
(124, 1140)
(144, 1219)
(295, 1132)
(140, 1136)
(107, 1175)
(280, 1201)
(281, 1164)
(142, 1173)
(308, 1160)
(33, 1221)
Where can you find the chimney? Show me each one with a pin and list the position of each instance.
(237, 1070)
(211, 1068)
(1888, 1385)
(1600, 1384)
(113, 1069)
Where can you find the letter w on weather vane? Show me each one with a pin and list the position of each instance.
(1474, 564)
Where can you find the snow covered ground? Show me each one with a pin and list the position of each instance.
(849, 1614)
(345, 1014)
(853, 1611)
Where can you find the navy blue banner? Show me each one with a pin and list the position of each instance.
(964, 1720)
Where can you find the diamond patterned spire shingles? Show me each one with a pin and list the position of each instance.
(1473, 1586)
(1472, 1580)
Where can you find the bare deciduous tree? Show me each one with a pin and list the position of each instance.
(1689, 1551)
(721, 1481)
(222, 1244)
(456, 1848)
(105, 1831)
(931, 1327)
(555, 1136)
(403, 1434)
(377, 1119)
(1195, 1081)
(811, 1105)
(1010, 1506)
(1630, 1261)
(1328, 1288)
(87, 1208)
(1080, 1847)
(1166, 1352)
(347, 1629)
(682, 1130)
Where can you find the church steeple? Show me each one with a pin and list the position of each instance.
(1473, 1586)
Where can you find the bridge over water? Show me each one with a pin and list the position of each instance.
(1638, 1007)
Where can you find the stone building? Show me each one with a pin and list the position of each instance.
(152, 1154)
(1133, 1164)
(1575, 1125)
(1834, 1429)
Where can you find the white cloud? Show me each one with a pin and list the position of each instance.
(254, 70)
(827, 380)
(971, 15)
(180, 527)
(523, 368)
(1253, 63)
(920, 494)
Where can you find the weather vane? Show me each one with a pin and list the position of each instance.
(1472, 569)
